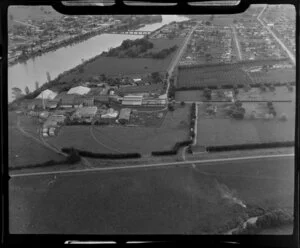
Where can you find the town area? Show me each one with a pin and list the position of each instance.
(206, 88)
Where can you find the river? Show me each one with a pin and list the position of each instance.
(55, 62)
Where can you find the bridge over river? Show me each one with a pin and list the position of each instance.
(130, 32)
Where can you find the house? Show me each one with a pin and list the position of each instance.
(132, 100)
(124, 116)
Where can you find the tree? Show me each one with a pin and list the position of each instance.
(171, 107)
(17, 92)
(48, 76)
(155, 76)
(27, 91)
(182, 103)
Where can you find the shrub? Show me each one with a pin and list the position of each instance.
(283, 117)
(238, 104)
(182, 103)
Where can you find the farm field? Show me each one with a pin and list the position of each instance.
(278, 75)
(220, 74)
(24, 150)
(207, 76)
(189, 95)
(222, 130)
(142, 88)
(255, 94)
(151, 201)
(118, 139)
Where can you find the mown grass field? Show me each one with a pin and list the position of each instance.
(119, 139)
(24, 150)
(226, 131)
(151, 201)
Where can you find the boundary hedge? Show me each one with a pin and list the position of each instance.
(249, 146)
(103, 155)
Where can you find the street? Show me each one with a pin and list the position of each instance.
(290, 54)
(175, 60)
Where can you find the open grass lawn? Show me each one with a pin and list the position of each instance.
(150, 201)
(25, 151)
(220, 130)
(119, 139)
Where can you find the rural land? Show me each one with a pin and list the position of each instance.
(189, 129)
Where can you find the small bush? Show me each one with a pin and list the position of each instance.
(283, 117)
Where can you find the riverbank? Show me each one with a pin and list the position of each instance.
(279, 221)
(82, 37)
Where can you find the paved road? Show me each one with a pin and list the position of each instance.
(154, 200)
(175, 60)
(290, 54)
(167, 164)
(237, 43)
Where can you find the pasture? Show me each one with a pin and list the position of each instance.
(23, 150)
(166, 200)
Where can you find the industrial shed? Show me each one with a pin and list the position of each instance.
(79, 90)
(132, 100)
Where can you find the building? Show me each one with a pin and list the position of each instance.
(86, 113)
(124, 116)
(101, 99)
(154, 101)
(132, 100)
(67, 101)
(88, 101)
(79, 90)
(110, 113)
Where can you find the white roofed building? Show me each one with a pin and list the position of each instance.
(132, 100)
(79, 90)
(47, 94)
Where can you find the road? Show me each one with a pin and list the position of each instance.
(167, 164)
(237, 43)
(290, 54)
(175, 60)
(165, 200)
